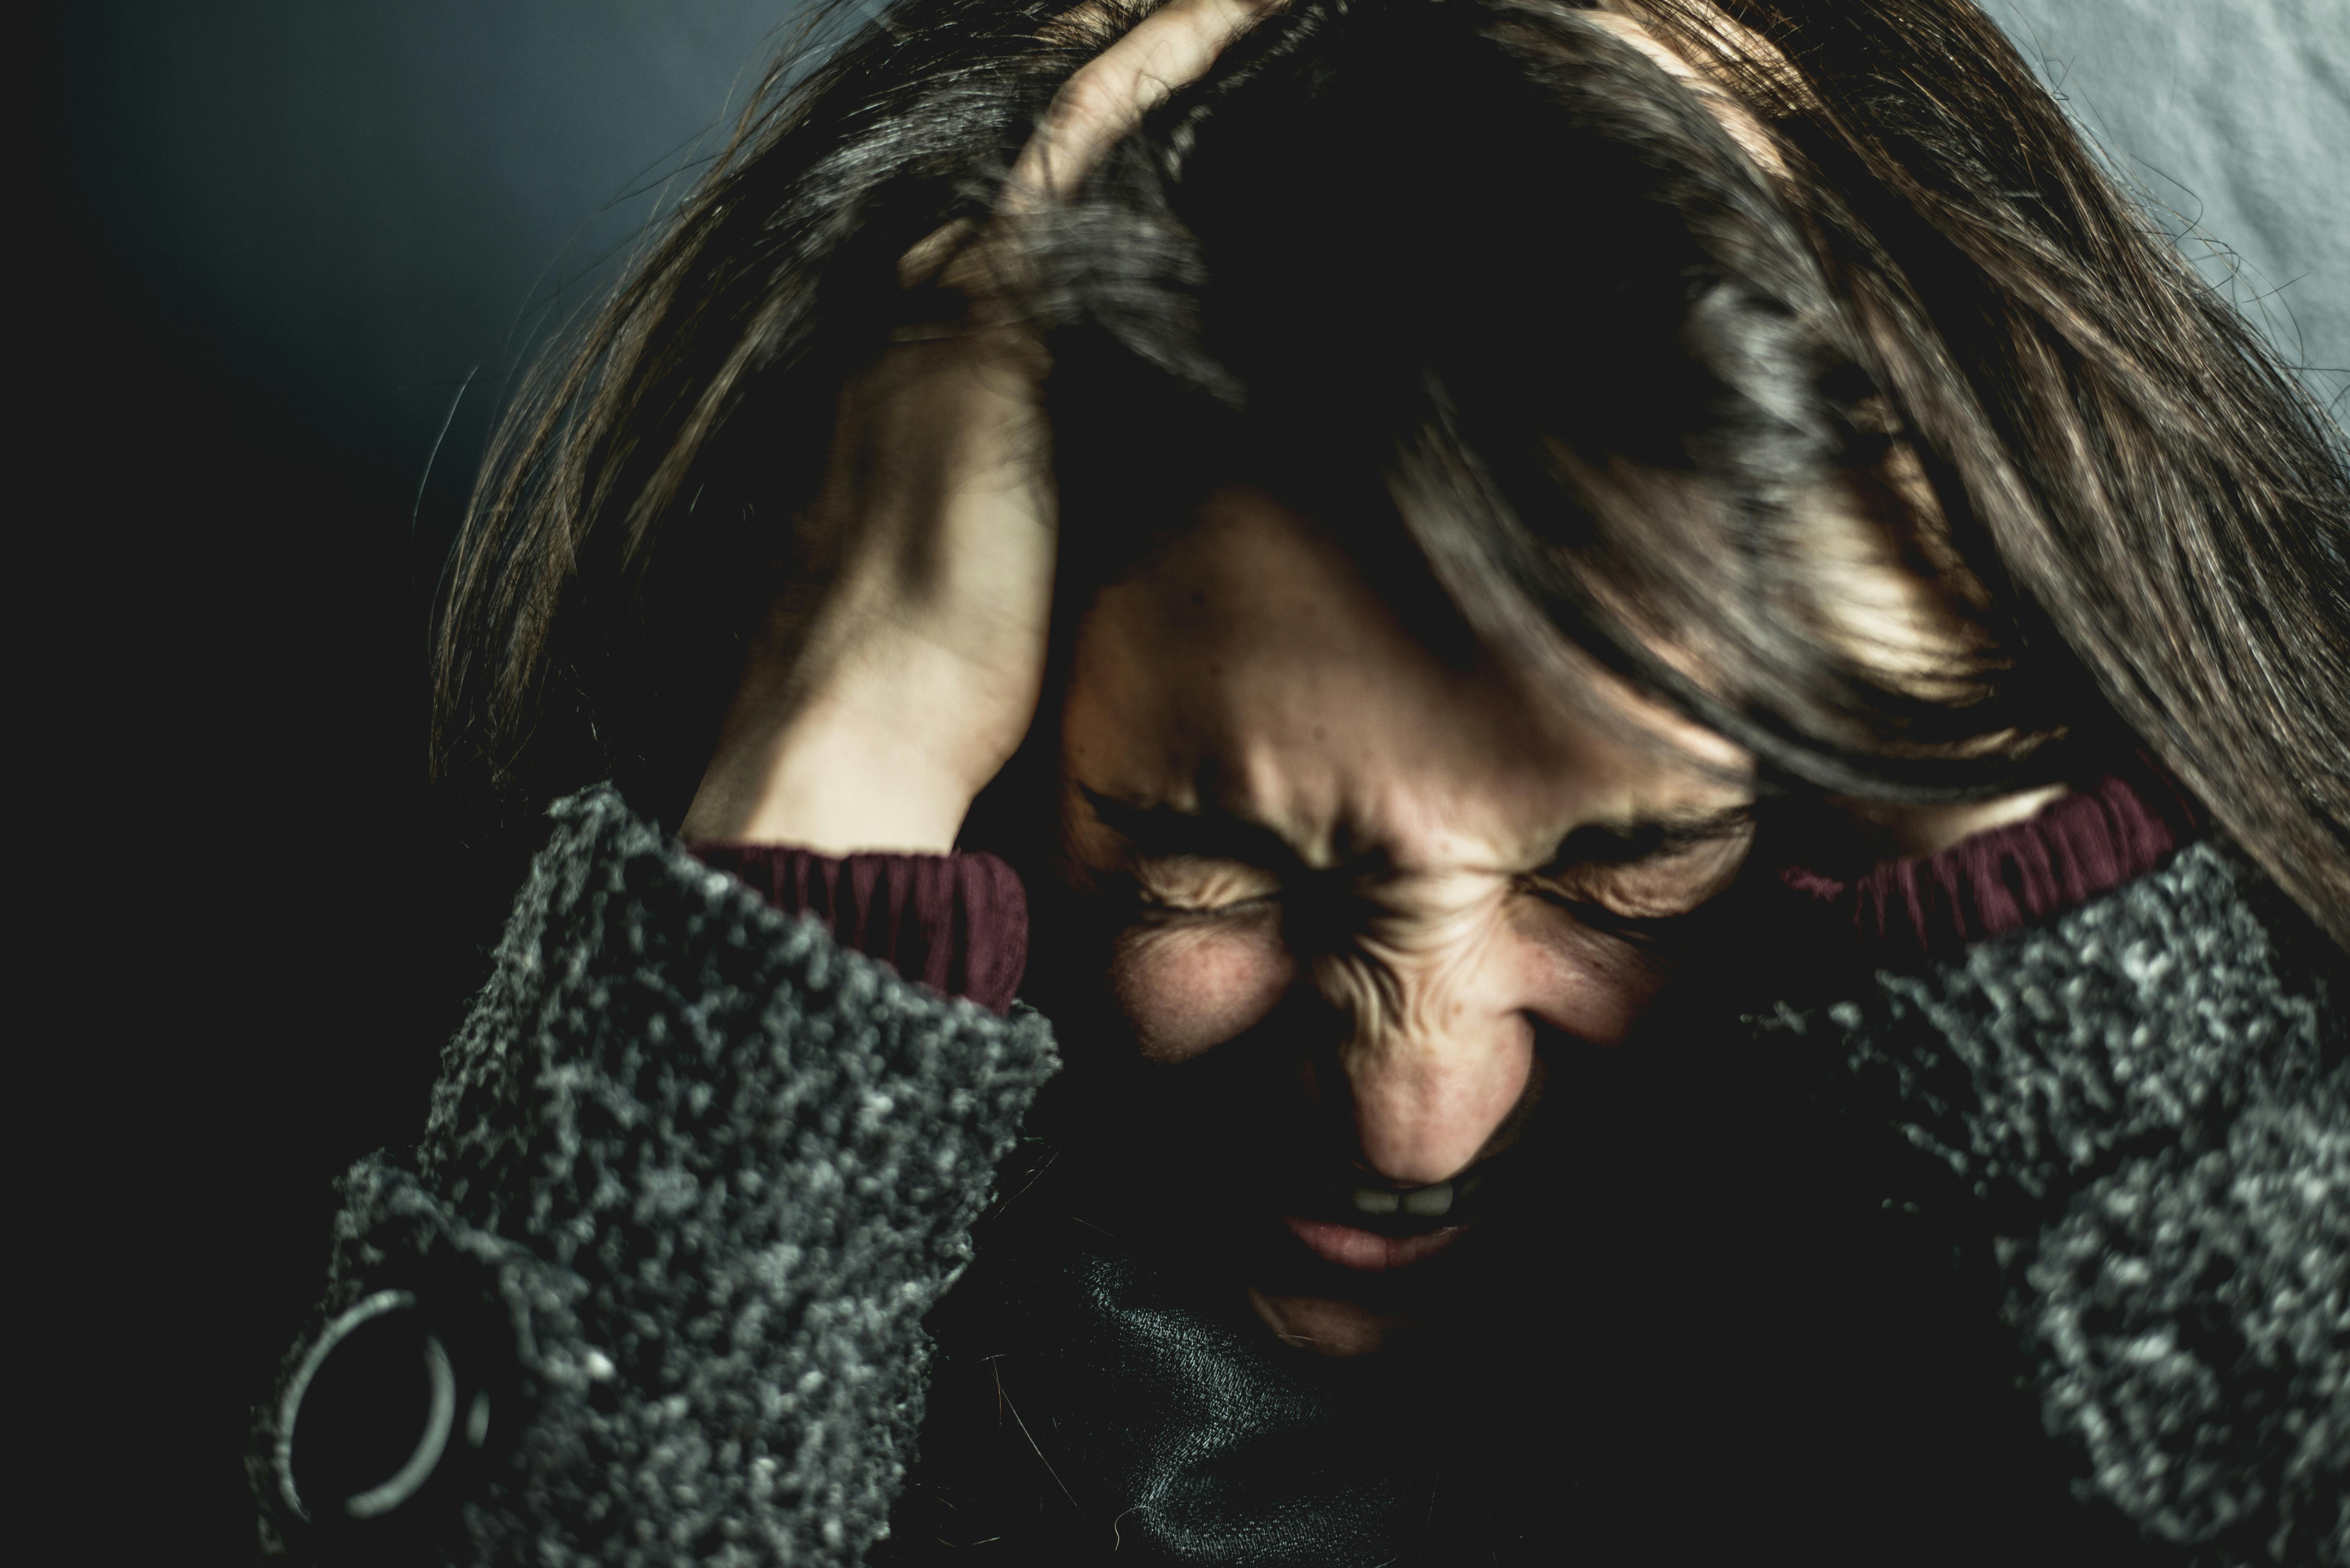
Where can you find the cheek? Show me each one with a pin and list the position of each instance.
(1583, 984)
(1186, 988)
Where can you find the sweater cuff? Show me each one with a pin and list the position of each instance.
(2081, 846)
(957, 923)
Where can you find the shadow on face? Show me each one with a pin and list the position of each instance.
(1343, 890)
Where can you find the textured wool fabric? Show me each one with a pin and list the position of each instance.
(701, 1175)
(2149, 1100)
(708, 1171)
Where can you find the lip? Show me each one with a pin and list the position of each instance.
(1367, 1251)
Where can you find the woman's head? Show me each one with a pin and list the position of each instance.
(1336, 889)
(1506, 300)
(1812, 381)
(1505, 452)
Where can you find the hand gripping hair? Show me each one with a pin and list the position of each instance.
(1791, 356)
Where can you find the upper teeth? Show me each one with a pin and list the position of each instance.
(1426, 1202)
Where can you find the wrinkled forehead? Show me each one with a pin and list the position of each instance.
(1252, 668)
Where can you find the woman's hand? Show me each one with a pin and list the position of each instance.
(921, 672)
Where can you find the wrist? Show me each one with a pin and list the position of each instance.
(882, 760)
(836, 789)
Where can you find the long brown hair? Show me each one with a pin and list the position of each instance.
(2140, 513)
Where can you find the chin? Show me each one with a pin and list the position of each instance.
(1332, 1288)
(1327, 1326)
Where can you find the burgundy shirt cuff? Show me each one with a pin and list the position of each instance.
(2080, 846)
(957, 923)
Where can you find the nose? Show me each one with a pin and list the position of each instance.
(1435, 1064)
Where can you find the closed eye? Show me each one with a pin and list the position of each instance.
(1638, 929)
(1150, 904)
(1195, 886)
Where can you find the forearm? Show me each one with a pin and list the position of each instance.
(2123, 1125)
(692, 1176)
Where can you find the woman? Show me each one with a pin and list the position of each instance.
(1670, 710)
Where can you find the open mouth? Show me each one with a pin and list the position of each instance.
(1367, 1251)
(1375, 1229)
(1220, 1161)
(1344, 1264)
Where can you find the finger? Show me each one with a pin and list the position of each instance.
(1170, 48)
(1738, 120)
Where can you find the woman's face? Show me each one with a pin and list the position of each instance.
(1357, 886)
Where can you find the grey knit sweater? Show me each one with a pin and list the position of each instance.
(694, 1176)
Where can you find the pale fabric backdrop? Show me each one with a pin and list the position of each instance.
(2231, 120)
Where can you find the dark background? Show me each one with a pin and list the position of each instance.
(281, 251)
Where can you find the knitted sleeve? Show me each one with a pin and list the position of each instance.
(2149, 1101)
(692, 1176)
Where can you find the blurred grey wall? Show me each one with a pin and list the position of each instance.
(2231, 119)
(351, 208)
(354, 208)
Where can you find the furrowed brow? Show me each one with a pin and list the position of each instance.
(1212, 835)
(1649, 839)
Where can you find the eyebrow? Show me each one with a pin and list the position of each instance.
(1214, 834)
(1217, 833)
(1647, 839)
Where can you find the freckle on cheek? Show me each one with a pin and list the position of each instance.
(1183, 994)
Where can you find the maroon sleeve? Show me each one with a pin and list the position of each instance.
(2080, 846)
(958, 923)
